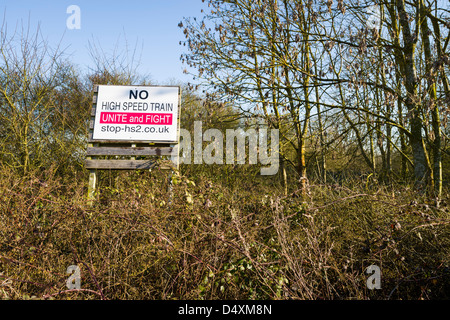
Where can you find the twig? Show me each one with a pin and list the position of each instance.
(424, 226)
(73, 290)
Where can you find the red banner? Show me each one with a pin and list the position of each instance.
(136, 118)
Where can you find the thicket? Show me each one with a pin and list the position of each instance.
(218, 233)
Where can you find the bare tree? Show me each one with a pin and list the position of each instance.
(282, 60)
(29, 75)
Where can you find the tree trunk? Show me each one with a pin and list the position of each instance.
(412, 103)
(436, 123)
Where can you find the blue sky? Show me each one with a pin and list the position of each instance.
(152, 25)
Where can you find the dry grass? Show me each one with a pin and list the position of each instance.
(217, 238)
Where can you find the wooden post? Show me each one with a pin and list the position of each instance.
(133, 145)
(92, 179)
(92, 172)
(175, 155)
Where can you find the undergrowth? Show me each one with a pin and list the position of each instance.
(207, 237)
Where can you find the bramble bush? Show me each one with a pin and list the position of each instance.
(207, 237)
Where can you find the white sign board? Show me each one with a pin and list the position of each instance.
(136, 113)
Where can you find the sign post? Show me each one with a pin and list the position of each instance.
(130, 122)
